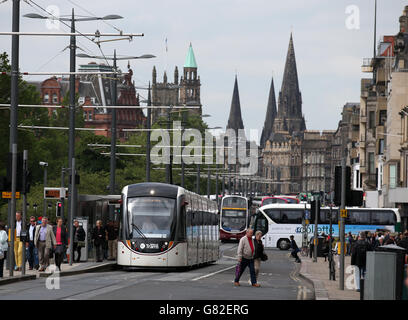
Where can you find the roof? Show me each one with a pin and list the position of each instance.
(190, 59)
(235, 117)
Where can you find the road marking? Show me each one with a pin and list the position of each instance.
(212, 274)
(227, 257)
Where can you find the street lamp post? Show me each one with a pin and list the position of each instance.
(45, 165)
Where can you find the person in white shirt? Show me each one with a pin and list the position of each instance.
(32, 256)
(3, 247)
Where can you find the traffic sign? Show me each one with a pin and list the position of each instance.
(55, 193)
(343, 213)
(7, 195)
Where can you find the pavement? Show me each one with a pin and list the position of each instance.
(66, 270)
(325, 289)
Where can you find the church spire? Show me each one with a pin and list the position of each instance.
(290, 100)
(270, 115)
(235, 117)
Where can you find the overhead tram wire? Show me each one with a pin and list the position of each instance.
(76, 30)
(93, 15)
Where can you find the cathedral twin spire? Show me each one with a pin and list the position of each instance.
(288, 117)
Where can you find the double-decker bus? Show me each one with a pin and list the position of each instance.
(166, 226)
(278, 199)
(279, 221)
(234, 217)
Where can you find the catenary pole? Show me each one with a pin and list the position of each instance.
(71, 137)
(341, 231)
(24, 217)
(148, 124)
(15, 44)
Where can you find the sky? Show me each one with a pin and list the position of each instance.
(247, 38)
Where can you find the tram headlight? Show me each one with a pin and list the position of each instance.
(142, 246)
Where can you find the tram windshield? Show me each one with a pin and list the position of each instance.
(151, 215)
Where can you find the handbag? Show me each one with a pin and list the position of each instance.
(238, 270)
(264, 257)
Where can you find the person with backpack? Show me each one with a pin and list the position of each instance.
(358, 258)
(295, 249)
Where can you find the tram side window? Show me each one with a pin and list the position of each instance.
(383, 218)
(358, 217)
(274, 215)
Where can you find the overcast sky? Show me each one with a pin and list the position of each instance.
(247, 37)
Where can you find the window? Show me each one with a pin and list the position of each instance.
(381, 146)
(90, 115)
(273, 214)
(371, 164)
(383, 218)
(46, 98)
(371, 119)
(358, 217)
(54, 98)
(291, 216)
(393, 176)
(383, 117)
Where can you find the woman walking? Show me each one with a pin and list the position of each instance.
(3, 247)
(259, 253)
(61, 235)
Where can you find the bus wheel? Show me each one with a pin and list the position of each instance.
(283, 244)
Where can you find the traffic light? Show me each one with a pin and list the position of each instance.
(313, 211)
(337, 185)
(58, 209)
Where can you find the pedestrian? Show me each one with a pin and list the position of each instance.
(18, 245)
(311, 246)
(350, 241)
(246, 252)
(358, 258)
(61, 237)
(45, 241)
(259, 253)
(3, 247)
(79, 240)
(404, 242)
(32, 251)
(113, 233)
(294, 249)
(99, 237)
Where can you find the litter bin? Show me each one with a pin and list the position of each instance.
(385, 273)
(321, 246)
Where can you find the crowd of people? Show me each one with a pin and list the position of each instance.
(44, 242)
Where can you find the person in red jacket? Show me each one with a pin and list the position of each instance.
(246, 251)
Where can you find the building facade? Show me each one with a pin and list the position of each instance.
(184, 91)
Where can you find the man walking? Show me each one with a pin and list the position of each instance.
(44, 241)
(32, 250)
(113, 232)
(358, 258)
(246, 251)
